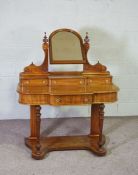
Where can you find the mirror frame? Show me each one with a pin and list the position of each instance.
(84, 60)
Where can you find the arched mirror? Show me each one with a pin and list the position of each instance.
(66, 47)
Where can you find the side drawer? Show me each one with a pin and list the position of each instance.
(35, 82)
(99, 80)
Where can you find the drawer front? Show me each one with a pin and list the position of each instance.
(105, 97)
(100, 80)
(34, 99)
(68, 82)
(35, 82)
(70, 99)
(35, 89)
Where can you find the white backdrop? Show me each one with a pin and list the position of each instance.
(113, 30)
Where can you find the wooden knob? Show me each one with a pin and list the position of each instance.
(86, 100)
(26, 82)
(54, 82)
(58, 99)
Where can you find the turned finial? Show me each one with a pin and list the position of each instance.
(45, 39)
(86, 39)
(86, 43)
(45, 47)
(45, 42)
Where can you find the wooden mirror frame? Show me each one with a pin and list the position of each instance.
(84, 60)
(47, 47)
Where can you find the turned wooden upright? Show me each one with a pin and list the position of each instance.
(92, 86)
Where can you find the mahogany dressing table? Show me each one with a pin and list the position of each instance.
(92, 86)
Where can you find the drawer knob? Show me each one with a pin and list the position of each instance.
(107, 81)
(54, 82)
(58, 99)
(26, 82)
(86, 99)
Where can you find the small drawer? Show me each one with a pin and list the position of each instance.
(98, 80)
(35, 82)
(67, 82)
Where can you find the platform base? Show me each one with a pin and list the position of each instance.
(60, 143)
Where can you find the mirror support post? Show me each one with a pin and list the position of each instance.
(45, 47)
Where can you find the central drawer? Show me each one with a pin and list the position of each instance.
(67, 81)
(70, 99)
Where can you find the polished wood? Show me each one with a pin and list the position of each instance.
(42, 145)
(35, 119)
(92, 86)
(72, 61)
(59, 143)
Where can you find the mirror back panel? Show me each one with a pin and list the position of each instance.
(66, 47)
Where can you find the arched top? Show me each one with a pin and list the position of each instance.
(66, 47)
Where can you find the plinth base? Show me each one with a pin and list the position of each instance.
(60, 143)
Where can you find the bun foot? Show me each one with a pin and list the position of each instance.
(100, 151)
(39, 155)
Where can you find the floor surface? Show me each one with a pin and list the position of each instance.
(121, 158)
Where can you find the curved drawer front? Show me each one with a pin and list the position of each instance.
(34, 89)
(34, 99)
(34, 86)
(70, 99)
(104, 97)
(99, 80)
(67, 99)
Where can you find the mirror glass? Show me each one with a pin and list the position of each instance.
(66, 48)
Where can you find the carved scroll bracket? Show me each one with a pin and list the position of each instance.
(43, 68)
(87, 67)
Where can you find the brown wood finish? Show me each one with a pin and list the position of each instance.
(93, 142)
(71, 61)
(92, 86)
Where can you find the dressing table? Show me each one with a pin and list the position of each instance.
(91, 86)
